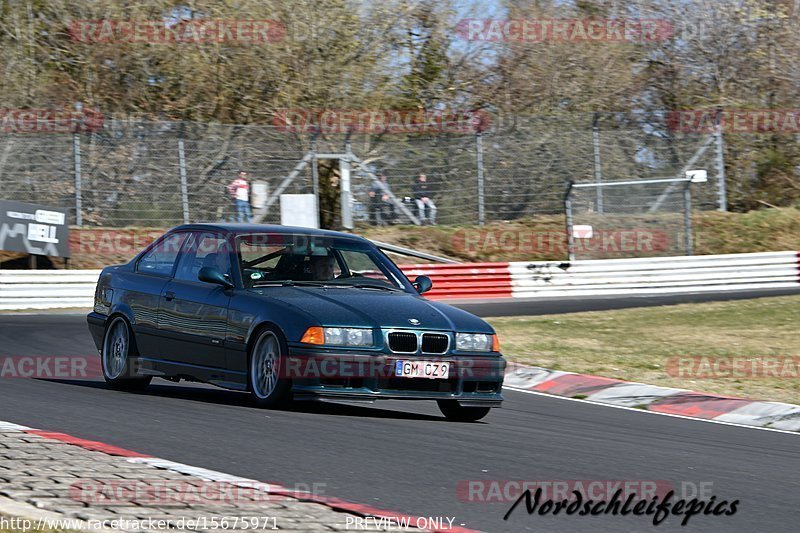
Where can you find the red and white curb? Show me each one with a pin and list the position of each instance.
(334, 504)
(664, 400)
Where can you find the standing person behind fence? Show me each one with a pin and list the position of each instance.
(375, 204)
(239, 192)
(380, 202)
(422, 197)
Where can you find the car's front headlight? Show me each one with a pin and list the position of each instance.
(338, 336)
(477, 342)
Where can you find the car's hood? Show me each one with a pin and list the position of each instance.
(375, 309)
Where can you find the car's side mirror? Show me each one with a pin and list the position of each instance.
(212, 275)
(423, 284)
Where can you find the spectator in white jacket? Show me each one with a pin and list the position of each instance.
(239, 192)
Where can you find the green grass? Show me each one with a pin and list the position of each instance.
(636, 344)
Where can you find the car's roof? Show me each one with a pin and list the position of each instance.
(237, 228)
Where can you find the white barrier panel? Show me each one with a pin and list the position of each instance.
(47, 289)
(658, 275)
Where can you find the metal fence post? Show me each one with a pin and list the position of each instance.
(315, 168)
(568, 211)
(315, 175)
(687, 216)
(76, 155)
(184, 185)
(598, 170)
(346, 197)
(720, 160)
(481, 191)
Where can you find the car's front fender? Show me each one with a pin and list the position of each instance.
(247, 313)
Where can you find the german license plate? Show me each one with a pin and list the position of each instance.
(422, 369)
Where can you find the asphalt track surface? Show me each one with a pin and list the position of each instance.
(404, 456)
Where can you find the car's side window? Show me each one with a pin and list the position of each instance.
(161, 258)
(207, 250)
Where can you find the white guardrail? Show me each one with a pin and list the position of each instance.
(47, 289)
(656, 275)
(53, 289)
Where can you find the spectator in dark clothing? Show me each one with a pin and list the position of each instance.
(422, 197)
(382, 210)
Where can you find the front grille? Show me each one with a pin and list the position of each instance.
(402, 342)
(434, 343)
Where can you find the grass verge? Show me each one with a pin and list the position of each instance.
(637, 344)
(714, 233)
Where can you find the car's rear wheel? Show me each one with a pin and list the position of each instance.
(268, 387)
(119, 356)
(458, 413)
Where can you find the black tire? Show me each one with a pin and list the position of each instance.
(265, 362)
(456, 413)
(119, 357)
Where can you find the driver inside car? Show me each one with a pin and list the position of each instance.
(322, 267)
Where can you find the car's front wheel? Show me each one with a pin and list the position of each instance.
(268, 385)
(458, 413)
(119, 356)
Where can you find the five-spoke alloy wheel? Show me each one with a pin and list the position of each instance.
(268, 387)
(119, 357)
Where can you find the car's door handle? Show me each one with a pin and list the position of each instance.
(169, 296)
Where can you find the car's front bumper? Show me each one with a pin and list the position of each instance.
(474, 381)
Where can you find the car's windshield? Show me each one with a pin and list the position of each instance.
(280, 259)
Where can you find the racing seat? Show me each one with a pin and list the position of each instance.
(211, 261)
(290, 267)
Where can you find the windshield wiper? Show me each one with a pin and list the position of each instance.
(323, 284)
(378, 287)
(290, 283)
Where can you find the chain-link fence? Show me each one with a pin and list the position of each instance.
(139, 173)
(639, 218)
